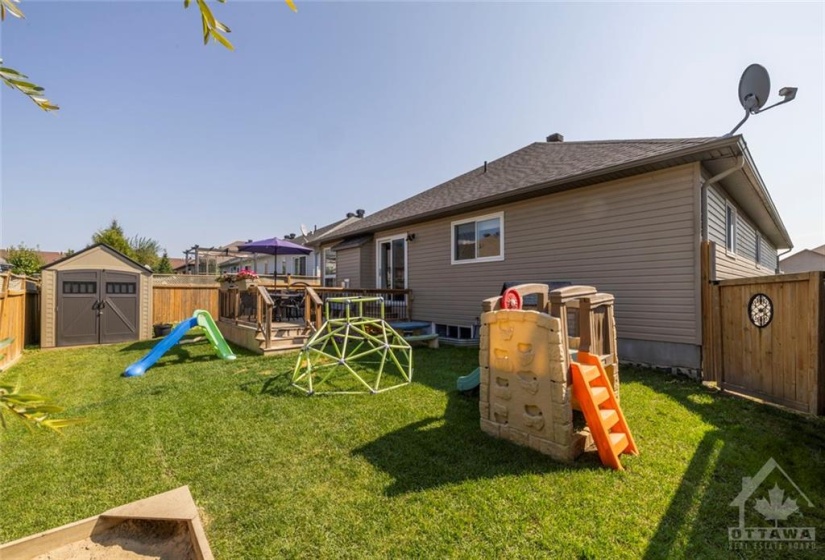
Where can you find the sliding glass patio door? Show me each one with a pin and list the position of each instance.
(392, 263)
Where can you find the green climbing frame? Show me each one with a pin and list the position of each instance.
(349, 354)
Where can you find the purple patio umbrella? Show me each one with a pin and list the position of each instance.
(274, 246)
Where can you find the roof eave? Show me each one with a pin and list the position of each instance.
(764, 196)
(538, 189)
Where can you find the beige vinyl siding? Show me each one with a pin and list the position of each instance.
(742, 264)
(745, 237)
(716, 216)
(369, 271)
(768, 258)
(349, 267)
(736, 266)
(633, 238)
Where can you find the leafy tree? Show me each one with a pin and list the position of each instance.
(145, 250)
(114, 237)
(24, 260)
(212, 29)
(164, 266)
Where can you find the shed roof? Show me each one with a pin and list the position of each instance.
(106, 248)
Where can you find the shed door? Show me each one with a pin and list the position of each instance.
(118, 307)
(96, 306)
(77, 296)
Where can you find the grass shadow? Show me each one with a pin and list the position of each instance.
(451, 449)
(736, 446)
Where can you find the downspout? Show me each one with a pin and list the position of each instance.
(779, 256)
(740, 163)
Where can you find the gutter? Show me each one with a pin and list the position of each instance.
(762, 193)
(716, 143)
(779, 256)
(740, 163)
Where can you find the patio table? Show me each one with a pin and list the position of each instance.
(283, 302)
(417, 331)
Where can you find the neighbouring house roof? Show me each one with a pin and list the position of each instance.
(546, 167)
(806, 260)
(352, 243)
(318, 234)
(47, 257)
(233, 246)
(176, 263)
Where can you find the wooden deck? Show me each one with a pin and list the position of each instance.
(286, 336)
(254, 320)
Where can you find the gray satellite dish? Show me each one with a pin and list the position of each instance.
(754, 88)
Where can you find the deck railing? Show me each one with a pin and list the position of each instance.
(242, 306)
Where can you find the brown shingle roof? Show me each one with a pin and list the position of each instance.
(48, 257)
(318, 234)
(536, 164)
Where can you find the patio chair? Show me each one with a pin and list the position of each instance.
(248, 305)
(293, 307)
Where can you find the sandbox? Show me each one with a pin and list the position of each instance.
(164, 526)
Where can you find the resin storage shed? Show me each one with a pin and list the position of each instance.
(97, 295)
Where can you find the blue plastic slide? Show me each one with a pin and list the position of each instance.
(469, 381)
(200, 318)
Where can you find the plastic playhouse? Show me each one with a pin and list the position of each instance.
(353, 347)
(199, 318)
(533, 374)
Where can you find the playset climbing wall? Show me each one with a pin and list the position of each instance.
(526, 380)
(524, 394)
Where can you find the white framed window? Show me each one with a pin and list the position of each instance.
(758, 257)
(330, 267)
(299, 266)
(478, 239)
(730, 228)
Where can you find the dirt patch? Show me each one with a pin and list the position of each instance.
(131, 540)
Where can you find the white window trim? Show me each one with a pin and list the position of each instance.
(378, 242)
(500, 257)
(324, 275)
(757, 254)
(734, 216)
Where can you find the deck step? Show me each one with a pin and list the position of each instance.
(281, 349)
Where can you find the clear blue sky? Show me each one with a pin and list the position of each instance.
(359, 105)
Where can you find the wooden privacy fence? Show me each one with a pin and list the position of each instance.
(765, 337)
(174, 303)
(12, 317)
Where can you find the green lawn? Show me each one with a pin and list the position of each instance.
(402, 474)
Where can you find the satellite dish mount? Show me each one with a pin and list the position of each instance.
(754, 89)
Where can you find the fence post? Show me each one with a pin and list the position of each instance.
(817, 281)
(709, 343)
